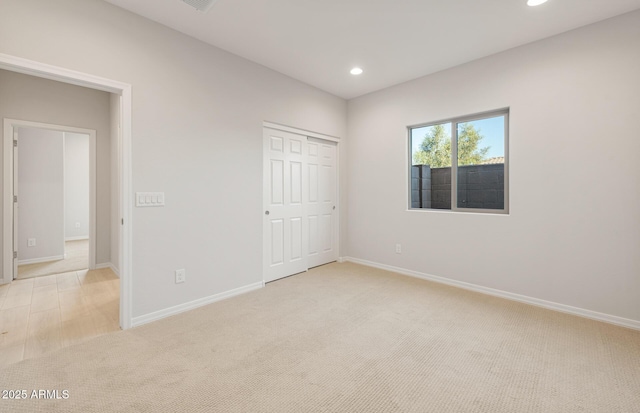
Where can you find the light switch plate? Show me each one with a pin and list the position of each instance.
(149, 199)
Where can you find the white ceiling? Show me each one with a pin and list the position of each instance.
(319, 41)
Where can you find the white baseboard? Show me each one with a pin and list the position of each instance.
(78, 238)
(115, 270)
(39, 260)
(594, 315)
(157, 315)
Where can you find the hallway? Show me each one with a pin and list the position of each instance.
(42, 314)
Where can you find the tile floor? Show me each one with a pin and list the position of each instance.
(76, 258)
(42, 314)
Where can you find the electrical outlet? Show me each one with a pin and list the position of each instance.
(31, 242)
(181, 276)
(398, 249)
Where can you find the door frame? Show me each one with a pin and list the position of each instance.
(8, 216)
(37, 69)
(308, 134)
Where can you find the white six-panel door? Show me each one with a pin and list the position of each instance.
(300, 214)
(285, 251)
(321, 201)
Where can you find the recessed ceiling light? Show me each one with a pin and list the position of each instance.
(535, 2)
(356, 71)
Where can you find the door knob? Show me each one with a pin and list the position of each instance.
(334, 207)
(266, 212)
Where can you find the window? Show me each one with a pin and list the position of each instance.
(461, 164)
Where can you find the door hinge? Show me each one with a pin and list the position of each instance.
(15, 143)
(15, 254)
(15, 198)
(122, 221)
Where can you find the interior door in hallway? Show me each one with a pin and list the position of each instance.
(322, 201)
(284, 230)
(16, 209)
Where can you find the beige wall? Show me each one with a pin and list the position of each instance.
(76, 185)
(41, 193)
(197, 136)
(575, 101)
(35, 99)
(197, 127)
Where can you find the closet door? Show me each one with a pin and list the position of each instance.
(321, 203)
(285, 233)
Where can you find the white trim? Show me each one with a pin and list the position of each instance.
(29, 67)
(64, 195)
(7, 202)
(299, 131)
(341, 260)
(39, 260)
(110, 266)
(60, 74)
(126, 245)
(93, 204)
(78, 238)
(167, 312)
(563, 308)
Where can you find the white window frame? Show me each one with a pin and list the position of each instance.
(454, 160)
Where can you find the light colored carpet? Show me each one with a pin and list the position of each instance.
(346, 338)
(77, 259)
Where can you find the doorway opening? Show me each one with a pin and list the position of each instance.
(53, 176)
(122, 104)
